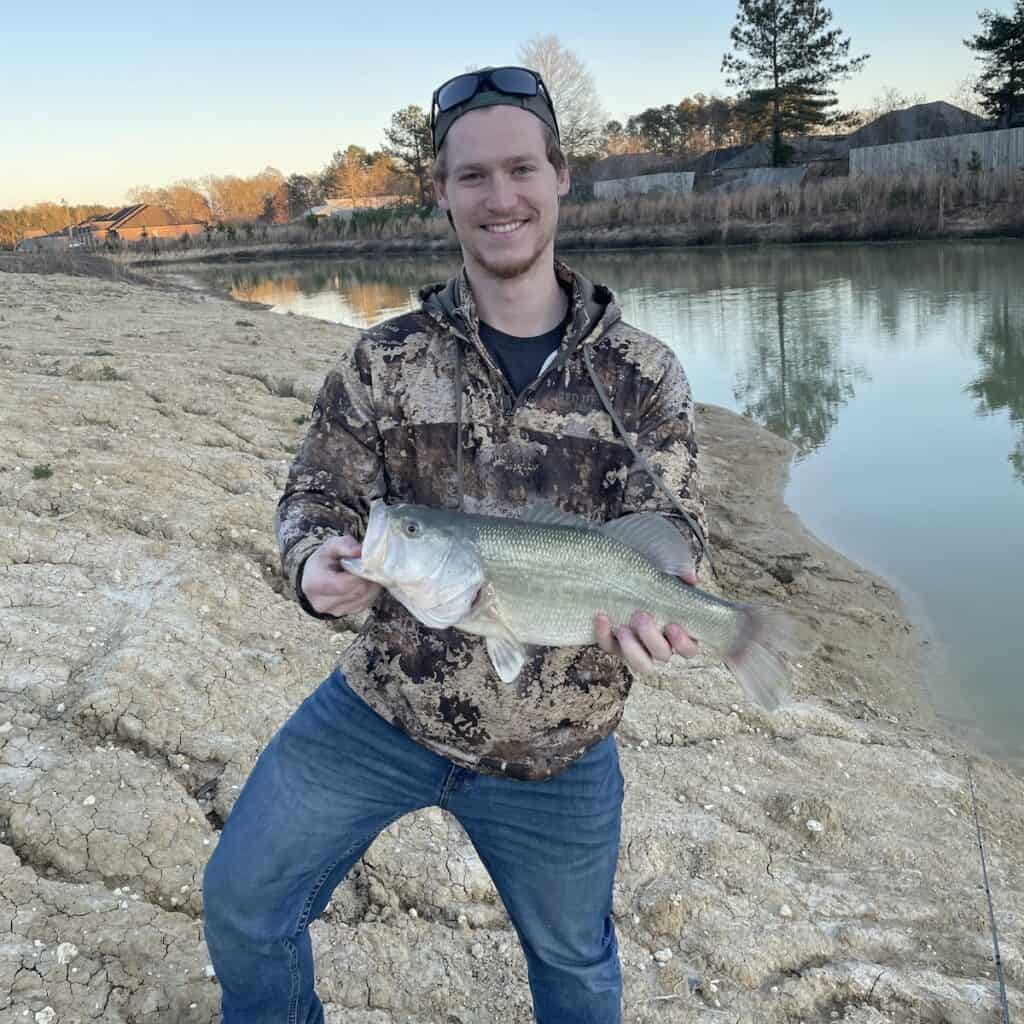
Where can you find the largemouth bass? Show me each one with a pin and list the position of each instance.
(541, 580)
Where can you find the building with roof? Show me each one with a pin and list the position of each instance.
(936, 126)
(129, 224)
(134, 223)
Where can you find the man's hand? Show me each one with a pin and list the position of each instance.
(328, 588)
(641, 643)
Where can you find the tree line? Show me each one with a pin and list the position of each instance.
(42, 217)
(785, 59)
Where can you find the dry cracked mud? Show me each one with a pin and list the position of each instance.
(815, 865)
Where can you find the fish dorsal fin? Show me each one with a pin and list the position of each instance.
(544, 513)
(655, 537)
(508, 657)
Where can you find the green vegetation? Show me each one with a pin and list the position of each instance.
(785, 59)
(42, 471)
(1000, 48)
(409, 143)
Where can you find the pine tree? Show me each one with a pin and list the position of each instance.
(1000, 48)
(410, 144)
(792, 56)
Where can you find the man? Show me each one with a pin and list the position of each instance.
(516, 381)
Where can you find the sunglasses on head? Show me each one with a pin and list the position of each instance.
(511, 81)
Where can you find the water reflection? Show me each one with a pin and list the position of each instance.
(360, 292)
(795, 383)
(1000, 347)
(788, 319)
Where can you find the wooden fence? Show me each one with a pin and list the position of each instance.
(954, 154)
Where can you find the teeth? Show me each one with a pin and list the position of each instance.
(504, 229)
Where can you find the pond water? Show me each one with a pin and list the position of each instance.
(896, 370)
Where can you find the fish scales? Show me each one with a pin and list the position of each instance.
(550, 581)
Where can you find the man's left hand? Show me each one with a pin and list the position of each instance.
(641, 643)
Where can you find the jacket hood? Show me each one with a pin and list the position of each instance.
(593, 309)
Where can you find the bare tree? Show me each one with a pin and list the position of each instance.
(185, 200)
(885, 101)
(581, 120)
(966, 97)
(889, 98)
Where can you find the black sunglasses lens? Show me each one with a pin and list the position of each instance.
(515, 81)
(457, 91)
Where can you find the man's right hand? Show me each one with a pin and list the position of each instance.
(328, 588)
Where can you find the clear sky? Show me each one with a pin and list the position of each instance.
(96, 98)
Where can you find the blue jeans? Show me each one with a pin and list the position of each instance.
(331, 780)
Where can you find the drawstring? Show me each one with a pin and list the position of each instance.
(458, 418)
(644, 464)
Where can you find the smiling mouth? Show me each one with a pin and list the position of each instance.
(507, 228)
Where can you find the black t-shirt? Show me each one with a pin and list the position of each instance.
(520, 358)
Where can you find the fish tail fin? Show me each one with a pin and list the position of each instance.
(759, 659)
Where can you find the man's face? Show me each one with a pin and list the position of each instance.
(501, 190)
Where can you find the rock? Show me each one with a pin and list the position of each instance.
(66, 952)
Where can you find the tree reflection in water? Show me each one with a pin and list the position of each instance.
(794, 383)
(1000, 347)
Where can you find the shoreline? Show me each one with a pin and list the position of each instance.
(911, 606)
(934, 659)
(931, 653)
(822, 857)
(902, 225)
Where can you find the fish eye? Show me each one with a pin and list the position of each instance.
(411, 527)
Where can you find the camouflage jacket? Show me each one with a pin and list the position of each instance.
(418, 411)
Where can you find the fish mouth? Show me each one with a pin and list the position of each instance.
(374, 544)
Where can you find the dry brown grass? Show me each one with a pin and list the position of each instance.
(913, 206)
(868, 205)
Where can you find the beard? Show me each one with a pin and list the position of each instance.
(510, 267)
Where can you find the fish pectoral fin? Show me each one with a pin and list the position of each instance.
(654, 536)
(508, 656)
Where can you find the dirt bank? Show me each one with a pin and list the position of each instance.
(809, 866)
